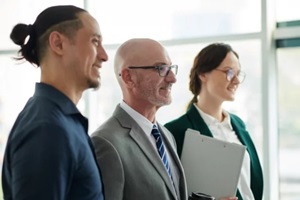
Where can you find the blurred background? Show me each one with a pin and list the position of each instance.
(265, 33)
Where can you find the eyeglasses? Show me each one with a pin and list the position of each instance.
(230, 74)
(163, 70)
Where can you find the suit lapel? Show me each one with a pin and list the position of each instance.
(140, 138)
(197, 121)
(242, 134)
(152, 155)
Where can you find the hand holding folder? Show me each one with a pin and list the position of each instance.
(212, 166)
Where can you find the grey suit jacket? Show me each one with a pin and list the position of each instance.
(130, 167)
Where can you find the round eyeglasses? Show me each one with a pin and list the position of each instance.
(163, 70)
(230, 74)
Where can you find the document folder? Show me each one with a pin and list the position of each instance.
(211, 166)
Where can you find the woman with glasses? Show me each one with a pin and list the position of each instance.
(214, 79)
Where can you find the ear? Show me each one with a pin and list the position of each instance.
(127, 78)
(56, 40)
(202, 77)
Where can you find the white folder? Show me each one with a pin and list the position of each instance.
(211, 166)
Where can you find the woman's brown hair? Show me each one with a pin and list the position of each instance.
(208, 59)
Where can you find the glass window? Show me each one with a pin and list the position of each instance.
(20, 11)
(169, 19)
(289, 118)
(287, 10)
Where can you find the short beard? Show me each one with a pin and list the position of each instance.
(94, 85)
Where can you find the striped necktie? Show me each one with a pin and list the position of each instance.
(162, 152)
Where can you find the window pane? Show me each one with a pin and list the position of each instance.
(169, 19)
(20, 11)
(287, 10)
(249, 92)
(289, 118)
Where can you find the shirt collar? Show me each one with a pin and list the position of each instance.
(56, 96)
(142, 121)
(210, 120)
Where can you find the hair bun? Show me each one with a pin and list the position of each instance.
(20, 32)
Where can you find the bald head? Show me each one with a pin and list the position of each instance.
(139, 52)
(136, 66)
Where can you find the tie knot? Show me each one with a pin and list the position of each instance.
(155, 132)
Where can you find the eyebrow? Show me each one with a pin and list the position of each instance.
(161, 63)
(97, 35)
(228, 67)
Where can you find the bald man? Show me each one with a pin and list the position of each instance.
(137, 155)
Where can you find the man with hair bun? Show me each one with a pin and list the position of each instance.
(49, 155)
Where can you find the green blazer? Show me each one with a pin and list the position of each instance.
(192, 119)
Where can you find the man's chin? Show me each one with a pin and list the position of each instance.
(94, 85)
(164, 103)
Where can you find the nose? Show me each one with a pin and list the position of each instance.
(235, 79)
(171, 77)
(101, 54)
